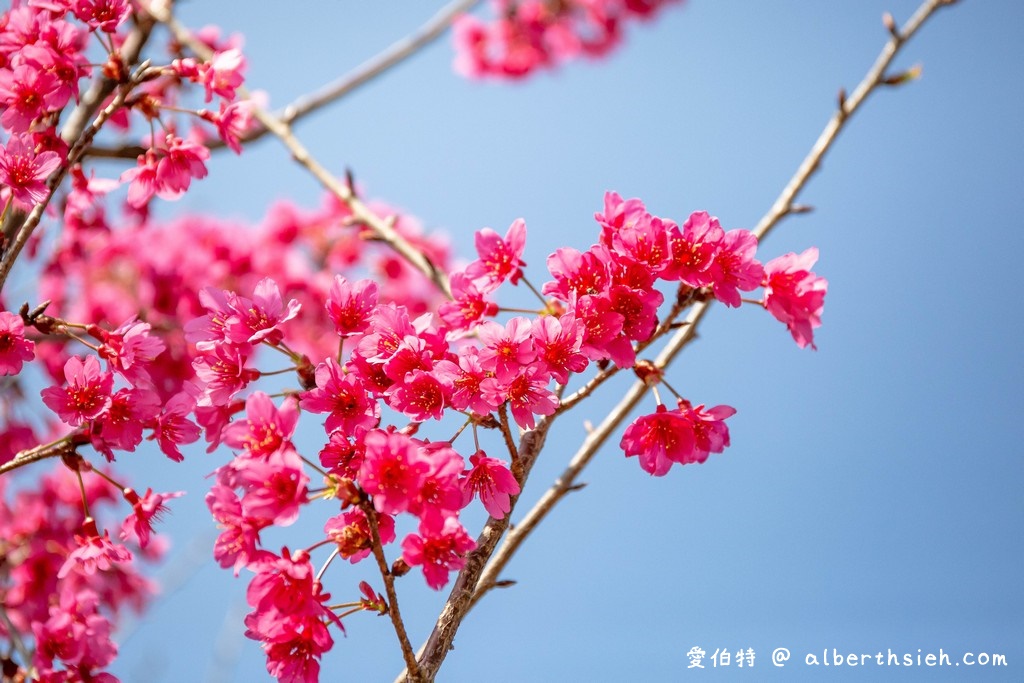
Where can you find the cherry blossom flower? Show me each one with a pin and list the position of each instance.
(440, 547)
(558, 342)
(500, 259)
(659, 440)
(349, 305)
(94, 552)
(344, 397)
(735, 267)
(506, 350)
(393, 470)
(14, 348)
(795, 295)
(26, 93)
(87, 394)
(266, 428)
(172, 427)
(24, 171)
(351, 532)
(260, 318)
(490, 479)
(145, 510)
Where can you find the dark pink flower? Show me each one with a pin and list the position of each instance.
(222, 373)
(659, 440)
(104, 15)
(130, 349)
(795, 295)
(393, 470)
(260, 318)
(468, 305)
(735, 267)
(558, 342)
(344, 397)
(420, 397)
(145, 511)
(26, 93)
(349, 305)
(439, 547)
(500, 259)
(14, 348)
(505, 351)
(94, 552)
(527, 395)
(121, 425)
(87, 394)
(351, 532)
(223, 74)
(172, 427)
(25, 172)
(490, 479)
(693, 249)
(266, 428)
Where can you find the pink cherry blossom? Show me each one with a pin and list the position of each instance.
(24, 171)
(440, 547)
(344, 397)
(500, 259)
(349, 305)
(351, 532)
(659, 440)
(558, 342)
(490, 479)
(14, 348)
(795, 295)
(265, 429)
(393, 470)
(506, 350)
(87, 394)
(94, 552)
(145, 511)
(735, 267)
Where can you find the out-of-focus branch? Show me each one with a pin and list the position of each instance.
(383, 227)
(61, 447)
(783, 205)
(395, 54)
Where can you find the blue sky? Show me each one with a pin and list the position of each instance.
(871, 498)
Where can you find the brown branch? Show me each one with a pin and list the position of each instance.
(63, 446)
(389, 588)
(395, 54)
(361, 213)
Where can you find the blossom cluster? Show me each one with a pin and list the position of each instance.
(528, 35)
(65, 584)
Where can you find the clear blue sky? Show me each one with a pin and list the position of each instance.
(872, 496)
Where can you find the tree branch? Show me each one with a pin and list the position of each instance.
(395, 54)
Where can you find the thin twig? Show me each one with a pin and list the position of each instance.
(395, 54)
(848, 105)
(65, 445)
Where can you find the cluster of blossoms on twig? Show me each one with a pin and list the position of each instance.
(602, 305)
(526, 36)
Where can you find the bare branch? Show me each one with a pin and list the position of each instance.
(394, 55)
(875, 77)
